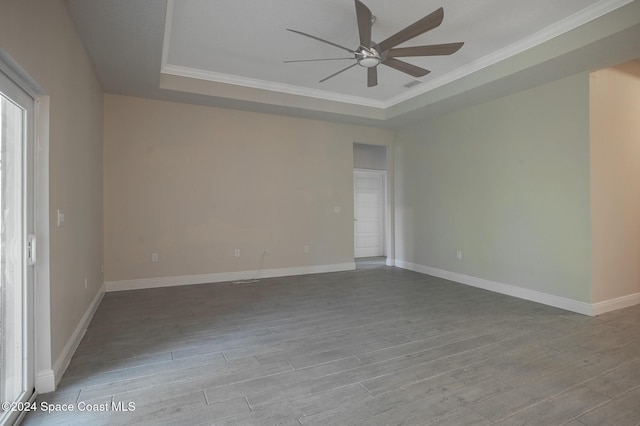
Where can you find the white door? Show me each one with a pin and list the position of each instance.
(369, 203)
(16, 249)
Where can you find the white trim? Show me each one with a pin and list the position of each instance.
(390, 262)
(20, 77)
(217, 77)
(24, 413)
(143, 283)
(168, 19)
(61, 364)
(615, 304)
(565, 25)
(43, 356)
(510, 290)
(45, 381)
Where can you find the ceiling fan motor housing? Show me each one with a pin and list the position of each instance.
(368, 57)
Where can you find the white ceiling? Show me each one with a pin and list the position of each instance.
(231, 53)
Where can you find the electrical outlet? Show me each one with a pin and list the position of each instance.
(459, 254)
(85, 282)
(237, 253)
(306, 249)
(155, 257)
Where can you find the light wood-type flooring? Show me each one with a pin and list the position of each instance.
(376, 346)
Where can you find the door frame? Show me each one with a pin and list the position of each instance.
(45, 380)
(27, 103)
(385, 210)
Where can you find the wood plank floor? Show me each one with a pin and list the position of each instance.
(376, 346)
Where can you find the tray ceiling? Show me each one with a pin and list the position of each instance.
(231, 52)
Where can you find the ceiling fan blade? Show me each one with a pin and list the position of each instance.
(372, 76)
(364, 16)
(406, 67)
(322, 40)
(315, 60)
(336, 73)
(431, 50)
(425, 24)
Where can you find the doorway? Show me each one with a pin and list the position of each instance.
(371, 211)
(369, 205)
(17, 248)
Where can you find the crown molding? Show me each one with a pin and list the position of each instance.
(270, 86)
(563, 26)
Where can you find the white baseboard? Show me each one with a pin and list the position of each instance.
(61, 364)
(143, 283)
(510, 290)
(615, 304)
(45, 381)
(390, 262)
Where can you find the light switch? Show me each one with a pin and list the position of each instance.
(60, 218)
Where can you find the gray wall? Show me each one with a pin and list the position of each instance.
(506, 183)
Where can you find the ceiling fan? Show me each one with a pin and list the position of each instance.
(370, 54)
